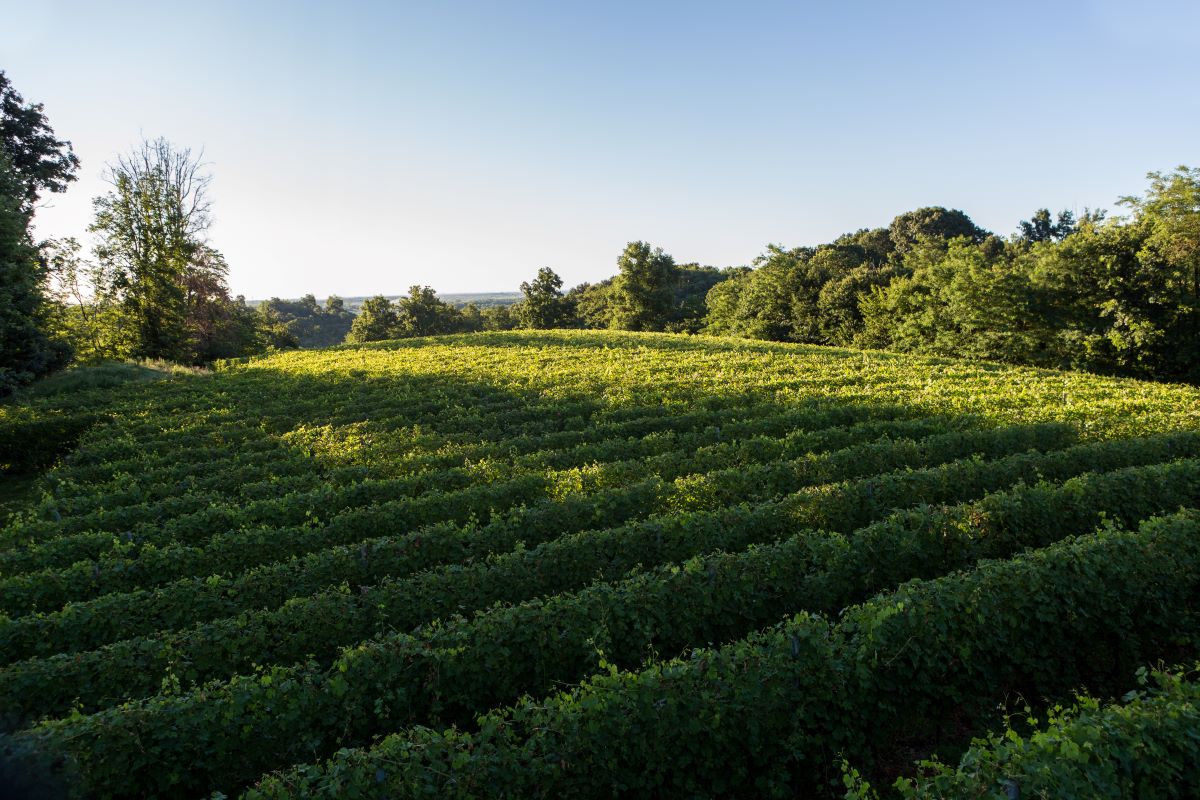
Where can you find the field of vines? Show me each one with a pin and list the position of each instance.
(580, 564)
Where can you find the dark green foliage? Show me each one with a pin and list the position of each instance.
(934, 224)
(41, 161)
(806, 295)
(31, 444)
(376, 321)
(960, 301)
(768, 715)
(312, 324)
(643, 291)
(1119, 296)
(688, 302)
(500, 318)
(1041, 227)
(32, 160)
(420, 313)
(544, 305)
(26, 351)
(1144, 747)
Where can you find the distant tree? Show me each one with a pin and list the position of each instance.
(592, 304)
(470, 318)
(688, 303)
(932, 223)
(262, 330)
(500, 318)
(643, 291)
(377, 320)
(788, 297)
(421, 313)
(312, 325)
(1041, 227)
(544, 305)
(41, 161)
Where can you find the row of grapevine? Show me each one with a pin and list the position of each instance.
(131, 565)
(449, 671)
(771, 715)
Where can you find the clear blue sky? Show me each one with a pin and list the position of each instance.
(360, 147)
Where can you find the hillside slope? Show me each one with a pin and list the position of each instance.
(655, 564)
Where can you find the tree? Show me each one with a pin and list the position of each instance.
(470, 318)
(592, 304)
(966, 301)
(32, 160)
(499, 318)
(785, 297)
(692, 286)
(41, 161)
(151, 229)
(932, 223)
(422, 313)
(544, 305)
(375, 322)
(643, 291)
(839, 311)
(1171, 208)
(312, 325)
(1127, 291)
(1042, 228)
(25, 350)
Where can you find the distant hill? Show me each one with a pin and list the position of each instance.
(481, 299)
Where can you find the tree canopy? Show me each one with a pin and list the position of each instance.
(41, 161)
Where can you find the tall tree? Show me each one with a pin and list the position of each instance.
(25, 350)
(375, 322)
(643, 291)
(32, 160)
(544, 305)
(151, 230)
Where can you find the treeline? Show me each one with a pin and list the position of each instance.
(649, 293)
(1119, 295)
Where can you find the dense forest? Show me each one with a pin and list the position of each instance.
(1117, 294)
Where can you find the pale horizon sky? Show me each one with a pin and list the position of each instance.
(360, 147)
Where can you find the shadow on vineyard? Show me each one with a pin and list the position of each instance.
(592, 560)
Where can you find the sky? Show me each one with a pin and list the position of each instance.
(361, 147)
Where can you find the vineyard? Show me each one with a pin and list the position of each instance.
(580, 564)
